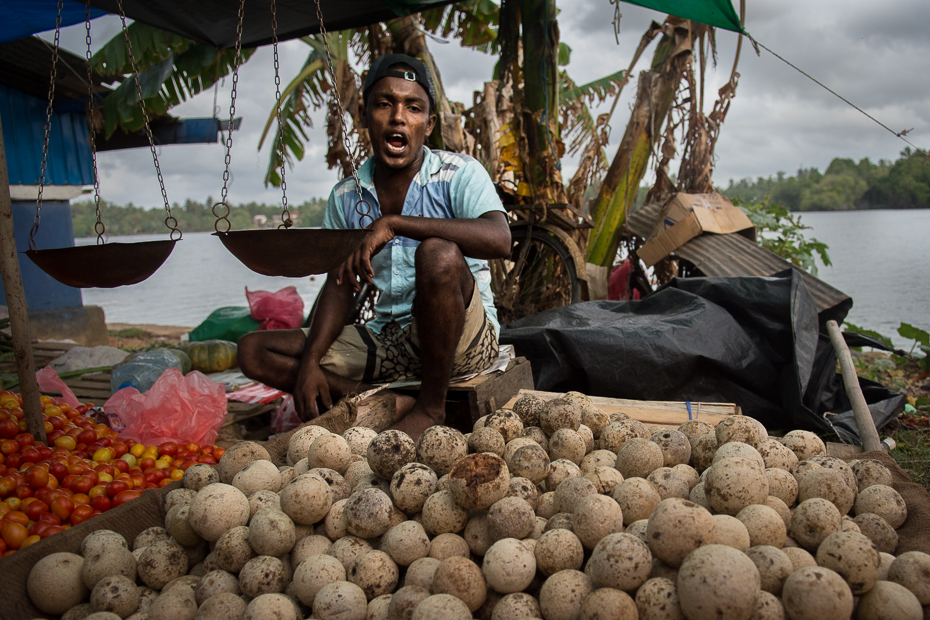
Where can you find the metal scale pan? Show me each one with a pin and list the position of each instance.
(293, 252)
(103, 266)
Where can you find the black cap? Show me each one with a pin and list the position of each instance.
(382, 67)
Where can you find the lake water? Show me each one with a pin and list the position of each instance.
(880, 258)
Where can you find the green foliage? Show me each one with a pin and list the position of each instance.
(473, 22)
(868, 332)
(921, 339)
(782, 232)
(192, 216)
(845, 185)
(172, 70)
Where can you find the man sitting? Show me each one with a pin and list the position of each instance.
(437, 220)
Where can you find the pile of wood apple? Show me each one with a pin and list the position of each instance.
(554, 510)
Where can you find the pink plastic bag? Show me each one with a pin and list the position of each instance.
(285, 417)
(281, 310)
(49, 381)
(178, 408)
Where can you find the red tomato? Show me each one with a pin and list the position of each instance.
(23, 491)
(3, 468)
(7, 486)
(146, 463)
(57, 422)
(101, 503)
(49, 517)
(169, 447)
(9, 446)
(104, 468)
(45, 452)
(165, 482)
(30, 455)
(58, 470)
(81, 514)
(82, 484)
(218, 453)
(39, 527)
(116, 487)
(14, 534)
(8, 429)
(55, 529)
(37, 477)
(62, 507)
(206, 458)
(119, 449)
(25, 439)
(87, 436)
(35, 510)
(125, 496)
(121, 465)
(150, 478)
(14, 461)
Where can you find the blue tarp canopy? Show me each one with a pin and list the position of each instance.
(21, 18)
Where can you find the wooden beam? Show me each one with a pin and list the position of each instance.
(16, 304)
(867, 432)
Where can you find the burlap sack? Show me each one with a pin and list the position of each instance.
(129, 520)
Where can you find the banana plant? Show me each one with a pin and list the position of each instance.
(172, 69)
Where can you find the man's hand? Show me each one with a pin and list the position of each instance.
(358, 265)
(311, 384)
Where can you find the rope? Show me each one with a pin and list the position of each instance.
(898, 134)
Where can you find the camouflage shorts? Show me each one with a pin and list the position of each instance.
(394, 354)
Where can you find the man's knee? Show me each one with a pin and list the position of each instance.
(438, 260)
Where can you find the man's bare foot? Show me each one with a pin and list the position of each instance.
(418, 420)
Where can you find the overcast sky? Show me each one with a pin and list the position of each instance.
(876, 56)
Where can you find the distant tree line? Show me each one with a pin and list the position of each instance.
(846, 185)
(192, 216)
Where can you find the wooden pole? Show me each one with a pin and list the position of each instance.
(16, 304)
(864, 422)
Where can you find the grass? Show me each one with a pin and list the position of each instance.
(913, 453)
(129, 332)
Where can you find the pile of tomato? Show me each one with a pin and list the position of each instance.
(83, 470)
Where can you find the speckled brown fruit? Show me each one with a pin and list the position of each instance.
(510, 517)
(529, 408)
(889, 600)
(530, 462)
(440, 447)
(734, 483)
(596, 516)
(815, 593)
(506, 422)
(703, 449)
(804, 444)
(638, 458)
(237, 457)
(869, 472)
(619, 561)
(562, 595)
(675, 446)
(676, 528)
(560, 413)
(509, 566)
(637, 498)
(812, 521)
(608, 604)
(479, 480)
(876, 529)
(668, 483)
(389, 451)
(853, 557)
(486, 440)
(773, 565)
(558, 550)
(657, 599)
(461, 578)
(883, 501)
(615, 434)
(830, 485)
(739, 428)
(375, 573)
(716, 581)
(262, 575)
(782, 485)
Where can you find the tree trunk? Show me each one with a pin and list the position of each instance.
(540, 38)
(654, 96)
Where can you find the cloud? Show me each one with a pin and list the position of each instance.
(878, 56)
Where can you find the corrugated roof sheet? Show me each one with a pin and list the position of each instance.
(734, 255)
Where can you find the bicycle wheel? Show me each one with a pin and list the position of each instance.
(538, 275)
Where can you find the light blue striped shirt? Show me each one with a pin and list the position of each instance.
(449, 185)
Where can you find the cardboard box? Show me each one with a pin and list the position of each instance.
(685, 216)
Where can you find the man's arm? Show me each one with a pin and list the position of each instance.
(486, 237)
(328, 321)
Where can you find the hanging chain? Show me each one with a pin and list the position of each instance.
(170, 220)
(286, 221)
(99, 228)
(48, 129)
(366, 212)
(222, 205)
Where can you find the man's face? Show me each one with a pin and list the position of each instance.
(398, 119)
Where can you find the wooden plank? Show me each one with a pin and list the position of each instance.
(661, 413)
(77, 384)
(472, 384)
(500, 387)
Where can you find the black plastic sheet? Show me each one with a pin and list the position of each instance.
(753, 341)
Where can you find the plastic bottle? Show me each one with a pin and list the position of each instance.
(142, 371)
